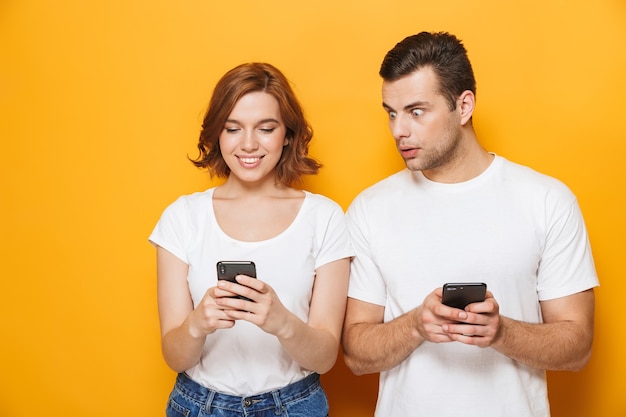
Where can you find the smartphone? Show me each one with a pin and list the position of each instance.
(228, 270)
(459, 295)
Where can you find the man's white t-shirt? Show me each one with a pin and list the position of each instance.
(245, 360)
(517, 230)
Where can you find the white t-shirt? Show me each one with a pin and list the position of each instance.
(245, 360)
(519, 231)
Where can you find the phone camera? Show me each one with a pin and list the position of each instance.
(222, 269)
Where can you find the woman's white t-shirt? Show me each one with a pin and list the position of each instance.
(245, 360)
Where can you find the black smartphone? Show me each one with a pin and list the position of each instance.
(228, 270)
(459, 295)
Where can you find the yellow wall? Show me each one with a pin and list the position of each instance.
(100, 102)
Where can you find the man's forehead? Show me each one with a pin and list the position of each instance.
(419, 86)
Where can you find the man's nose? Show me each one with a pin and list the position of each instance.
(400, 127)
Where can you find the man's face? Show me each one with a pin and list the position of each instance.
(428, 135)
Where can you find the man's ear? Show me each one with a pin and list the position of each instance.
(465, 106)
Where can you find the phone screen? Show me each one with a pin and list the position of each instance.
(459, 295)
(228, 270)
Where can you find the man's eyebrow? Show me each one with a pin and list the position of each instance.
(409, 106)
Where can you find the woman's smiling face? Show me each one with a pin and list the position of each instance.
(253, 137)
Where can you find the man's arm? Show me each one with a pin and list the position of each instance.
(370, 345)
(561, 343)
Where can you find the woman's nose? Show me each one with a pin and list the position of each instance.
(249, 141)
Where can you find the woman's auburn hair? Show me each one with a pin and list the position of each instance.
(239, 81)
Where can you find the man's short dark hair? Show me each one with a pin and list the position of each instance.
(442, 52)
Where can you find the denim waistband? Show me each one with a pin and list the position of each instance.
(209, 398)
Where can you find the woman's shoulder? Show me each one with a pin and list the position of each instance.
(191, 202)
(195, 197)
(321, 201)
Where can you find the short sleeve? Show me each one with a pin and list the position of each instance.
(171, 231)
(335, 241)
(567, 265)
(366, 281)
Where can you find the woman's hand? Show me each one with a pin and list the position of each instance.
(264, 308)
(313, 343)
(208, 317)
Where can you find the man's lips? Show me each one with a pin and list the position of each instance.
(409, 152)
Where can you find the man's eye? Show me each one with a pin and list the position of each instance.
(417, 112)
(392, 114)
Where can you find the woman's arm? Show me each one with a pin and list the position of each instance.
(183, 329)
(315, 344)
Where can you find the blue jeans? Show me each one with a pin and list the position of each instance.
(304, 398)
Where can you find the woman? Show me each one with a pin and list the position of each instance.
(261, 355)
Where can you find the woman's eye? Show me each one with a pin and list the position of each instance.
(267, 129)
(417, 112)
(231, 129)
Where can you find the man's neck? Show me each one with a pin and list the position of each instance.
(472, 161)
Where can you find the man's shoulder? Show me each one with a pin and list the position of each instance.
(525, 175)
(382, 195)
(390, 184)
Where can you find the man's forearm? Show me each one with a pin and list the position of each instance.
(376, 347)
(561, 346)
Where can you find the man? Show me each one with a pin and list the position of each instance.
(461, 214)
